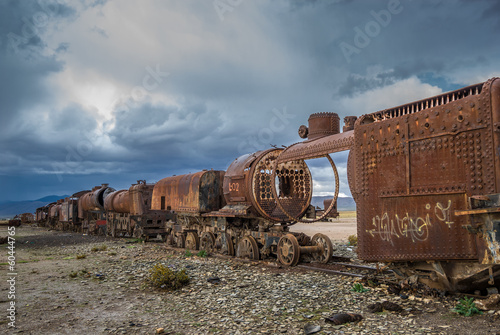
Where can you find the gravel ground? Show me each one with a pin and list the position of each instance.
(68, 283)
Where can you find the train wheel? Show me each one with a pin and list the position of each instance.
(248, 248)
(192, 241)
(224, 244)
(180, 241)
(171, 240)
(288, 250)
(326, 245)
(207, 241)
(139, 233)
(130, 230)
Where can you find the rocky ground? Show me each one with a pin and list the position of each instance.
(67, 283)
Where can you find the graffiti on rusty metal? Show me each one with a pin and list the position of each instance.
(405, 226)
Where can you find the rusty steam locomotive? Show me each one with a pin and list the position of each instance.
(230, 212)
(425, 177)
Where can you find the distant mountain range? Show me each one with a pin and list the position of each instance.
(8, 209)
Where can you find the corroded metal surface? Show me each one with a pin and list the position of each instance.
(54, 210)
(27, 217)
(287, 205)
(426, 180)
(333, 213)
(68, 210)
(415, 165)
(198, 192)
(323, 138)
(94, 200)
(118, 201)
(248, 182)
(323, 124)
(319, 148)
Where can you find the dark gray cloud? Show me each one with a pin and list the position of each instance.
(24, 64)
(97, 91)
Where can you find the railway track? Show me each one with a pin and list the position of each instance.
(344, 269)
(339, 266)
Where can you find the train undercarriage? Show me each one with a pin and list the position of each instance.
(217, 234)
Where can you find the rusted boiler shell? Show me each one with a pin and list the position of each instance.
(118, 202)
(248, 182)
(68, 210)
(198, 192)
(94, 200)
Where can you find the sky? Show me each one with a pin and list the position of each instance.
(98, 91)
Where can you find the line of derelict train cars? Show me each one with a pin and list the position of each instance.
(229, 212)
(425, 177)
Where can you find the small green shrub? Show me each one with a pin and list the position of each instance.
(188, 253)
(358, 287)
(163, 277)
(202, 253)
(101, 248)
(73, 274)
(353, 240)
(467, 307)
(81, 256)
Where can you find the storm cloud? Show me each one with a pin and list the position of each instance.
(114, 91)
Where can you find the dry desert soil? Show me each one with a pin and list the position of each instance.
(69, 283)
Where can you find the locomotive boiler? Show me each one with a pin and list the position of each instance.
(91, 214)
(234, 212)
(128, 212)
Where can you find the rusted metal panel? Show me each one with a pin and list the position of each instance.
(64, 213)
(323, 124)
(54, 210)
(118, 201)
(333, 213)
(323, 138)
(416, 228)
(495, 113)
(235, 187)
(42, 213)
(141, 195)
(319, 148)
(94, 200)
(198, 192)
(240, 174)
(27, 217)
(69, 208)
(415, 165)
(248, 183)
(484, 213)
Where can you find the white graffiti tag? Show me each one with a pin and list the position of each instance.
(414, 228)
